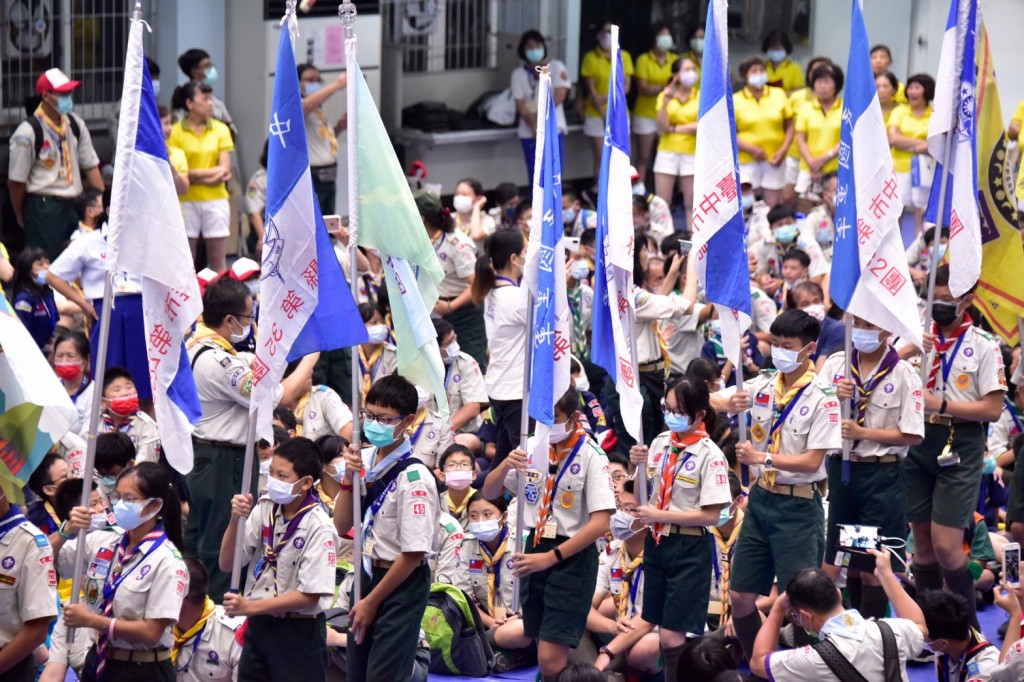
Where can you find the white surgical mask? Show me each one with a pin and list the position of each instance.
(378, 333)
(816, 310)
(582, 382)
(451, 352)
(265, 467)
(241, 336)
(98, 522)
(664, 41)
(423, 397)
(786, 360)
(776, 55)
(640, 189)
(280, 492)
(621, 526)
(579, 270)
(865, 340)
(688, 78)
(129, 514)
(459, 479)
(757, 80)
(462, 203)
(485, 530)
(559, 432)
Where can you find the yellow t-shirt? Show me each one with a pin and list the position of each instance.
(903, 119)
(796, 103)
(178, 160)
(1018, 116)
(900, 96)
(761, 121)
(598, 66)
(680, 113)
(202, 151)
(786, 75)
(822, 130)
(648, 68)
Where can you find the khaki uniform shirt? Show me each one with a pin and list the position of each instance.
(896, 403)
(324, 414)
(1002, 432)
(154, 588)
(431, 439)
(256, 192)
(217, 654)
(407, 521)
(701, 478)
(585, 488)
(684, 337)
(41, 174)
(769, 256)
(145, 437)
(979, 669)
(977, 369)
(457, 254)
(1012, 669)
(764, 309)
(610, 579)
(464, 384)
(473, 572)
(462, 516)
(306, 564)
(386, 364)
(651, 308)
(321, 141)
(444, 565)
(28, 579)
(812, 424)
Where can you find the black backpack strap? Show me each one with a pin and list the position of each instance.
(195, 358)
(374, 489)
(76, 129)
(836, 662)
(37, 130)
(890, 653)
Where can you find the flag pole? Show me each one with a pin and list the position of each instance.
(741, 418)
(640, 490)
(933, 255)
(236, 562)
(347, 13)
(524, 436)
(845, 406)
(94, 421)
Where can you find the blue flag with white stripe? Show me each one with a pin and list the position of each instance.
(870, 278)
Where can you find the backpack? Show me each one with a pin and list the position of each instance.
(37, 130)
(455, 633)
(844, 670)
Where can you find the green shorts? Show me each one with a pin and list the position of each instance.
(945, 495)
(677, 582)
(556, 602)
(874, 497)
(1015, 505)
(781, 534)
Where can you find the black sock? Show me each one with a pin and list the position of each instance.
(960, 581)
(854, 591)
(927, 577)
(670, 662)
(747, 628)
(873, 602)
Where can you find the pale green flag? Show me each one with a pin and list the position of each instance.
(390, 223)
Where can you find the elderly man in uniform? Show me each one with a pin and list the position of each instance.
(50, 151)
(224, 382)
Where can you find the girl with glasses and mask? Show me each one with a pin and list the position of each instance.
(134, 583)
(689, 488)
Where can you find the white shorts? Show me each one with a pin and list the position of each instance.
(803, 182)
(593, 126)
(912, 197)
(763, 175)
(792, 170)
(644, 126)
(210, 219)
(671, 163)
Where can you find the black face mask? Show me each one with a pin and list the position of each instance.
(945, 313)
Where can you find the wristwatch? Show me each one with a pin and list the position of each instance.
(768, 460)
(606, 651)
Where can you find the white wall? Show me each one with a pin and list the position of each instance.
(887, 21)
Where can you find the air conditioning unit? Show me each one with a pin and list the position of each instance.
(28, 27)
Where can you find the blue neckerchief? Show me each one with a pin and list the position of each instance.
(848, 624)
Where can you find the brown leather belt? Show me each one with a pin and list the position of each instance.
(653, 366)
(873, 459)
(380, 563)
(139, 655)
(686, 530)
(804, 490)
(939, 419)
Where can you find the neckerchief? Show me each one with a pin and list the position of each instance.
(272, 551)
(324, 132)
(368, 365)
(848, 624)
(942, 345)
(627, 596)
(67, 173)
(109, 425)
(977, 644)
(456, 510)
(183, 638)
(558, 460)
(52, 520)
(204, 334)
(14, 518)
(864, 391)
(325, 500)
(416, 428)
(784, 402)
(579, 324)
(492, 562)
(300, 413)
(723, 551)
(669, 470)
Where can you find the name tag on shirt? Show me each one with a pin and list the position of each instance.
(550, 530)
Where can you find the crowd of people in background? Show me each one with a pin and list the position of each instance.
(695, 555)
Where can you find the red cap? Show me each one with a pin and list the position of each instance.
(55, 80)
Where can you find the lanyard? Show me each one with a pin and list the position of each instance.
(781, 419)
(195, 647)
(109, 587)
(634, 588)
(664, 461)
(568, 461)
(266, 561)
(13, 519)
(371, 513)
(948, 366)
(506, 279)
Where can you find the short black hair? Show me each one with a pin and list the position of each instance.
(505, 191)
(114, 449)
(580, 672)
(735, 486)
(303, 68)
(394, 391)
(811, 287)
(797, 254)
(828, 71)
(778, 213)
(455, 449)
(442, 328)
(303, 455)
(616, 457)
(280, 438)
(815, 62)
(184, 93)
(704, 369)
(926, 82)
(223, 297)
(748, 63)
(112, 374)
(500, 502)
(198, 580)
(40, 476)
(86, 199)
(881, 48)
(929, 236)
(946, 615)
(692, 396)
(330, 447)
(812, 589)
(189, 60)
(154, 68)
(569, 403)
(891, 77)
(522, 207)
(704, 657)
(942, 278)
(367, 310)
(527, 36)
(777, 37)
(796, 324)
(286, 417)
(473, 183)
(68, 496)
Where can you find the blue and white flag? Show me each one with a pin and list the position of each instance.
(545, 275)
(147, 238)
(614, 305)
(954, 121)
(719, 241)
(870, 278)
(298, 259)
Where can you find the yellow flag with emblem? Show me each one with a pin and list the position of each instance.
(1000, 293)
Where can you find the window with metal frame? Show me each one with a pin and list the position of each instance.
(437, 36)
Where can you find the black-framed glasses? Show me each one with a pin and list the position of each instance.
(387, 421)
(241, 315)
(667, 409)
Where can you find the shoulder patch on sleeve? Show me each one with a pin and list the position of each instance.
(23, 306)
(41, 540)
(412, 475)
(225, 361)
(450, 527)
(827, 390)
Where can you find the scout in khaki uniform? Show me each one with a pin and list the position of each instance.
(134, 584)
(399, 525)
(288, 545)
(205, 642)
(887, 417)
(224, 383)
(121, 413)
(456, 472)
(964, 653)
(463, 381)
(429, 434)
(321, 412)
(28, 594)
(567, 509)
(794, 423)
(630, 639)
(725, 535)
(690, 488)
(485, 569)
(445, 563)
(377, 357)
(965, 386)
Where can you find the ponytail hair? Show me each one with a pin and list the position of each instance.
(499, 249)
(154, 480)
(692, 396)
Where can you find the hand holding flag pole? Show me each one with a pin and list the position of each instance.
(236, 560)
(524, 440)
